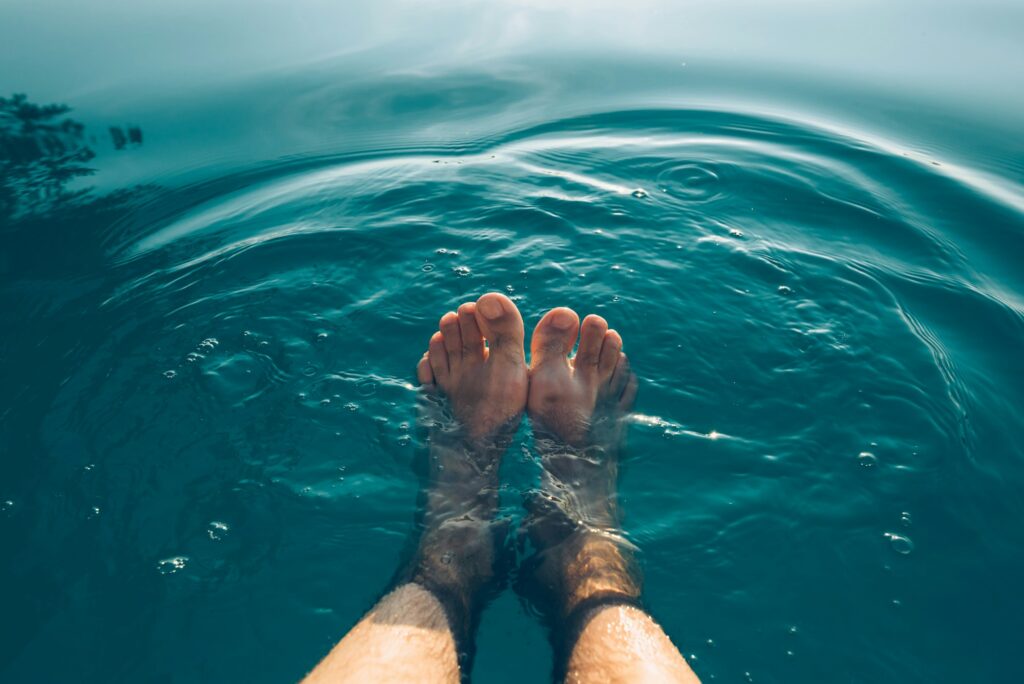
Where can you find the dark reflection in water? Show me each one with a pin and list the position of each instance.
(53, 271)
(123, 137)
(41, 151)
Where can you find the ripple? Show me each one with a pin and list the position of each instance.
(800, 300)
(690, 182)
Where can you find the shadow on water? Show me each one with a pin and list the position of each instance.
(52, 276)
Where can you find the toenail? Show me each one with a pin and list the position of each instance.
(490, 308)
(563, 320)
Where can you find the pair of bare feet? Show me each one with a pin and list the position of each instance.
(476, 363)
(477, 387)
(489, 386)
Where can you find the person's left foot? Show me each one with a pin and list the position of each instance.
(485, 387)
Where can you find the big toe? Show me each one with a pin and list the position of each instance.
(554, 336)
(501, 324)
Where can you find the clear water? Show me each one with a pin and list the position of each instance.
(806, 219)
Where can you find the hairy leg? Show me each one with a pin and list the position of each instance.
(474, 396)
(404, 638)
(584, 565)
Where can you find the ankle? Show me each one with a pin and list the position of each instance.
(596, 565)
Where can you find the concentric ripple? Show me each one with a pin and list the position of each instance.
(815, 316)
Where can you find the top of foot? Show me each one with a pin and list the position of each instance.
(486, 385)
(580, 400)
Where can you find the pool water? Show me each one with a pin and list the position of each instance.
(807, 223)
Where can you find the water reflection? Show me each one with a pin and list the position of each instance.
(42, 152)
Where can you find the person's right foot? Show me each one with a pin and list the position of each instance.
(577, 406)
(580, 400)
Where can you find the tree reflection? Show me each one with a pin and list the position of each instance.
(41, 151)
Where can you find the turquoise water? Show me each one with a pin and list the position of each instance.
(807, 223)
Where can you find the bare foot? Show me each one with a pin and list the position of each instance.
(577, 406)
(486, 386)
(581, 400)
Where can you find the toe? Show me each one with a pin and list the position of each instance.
(437, 356)
(611, 348)
(472, 338)
(554, 336)
(620, 376)
(452, 336)
(501, 324)
(629, 394)
(591, 338)
(423, 372)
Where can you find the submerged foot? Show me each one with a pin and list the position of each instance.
(577, 406)
(580, 400)
(484, 384)
(484, 388)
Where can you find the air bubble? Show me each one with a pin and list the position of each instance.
(462, 271)
(217, 530)
(867, 459)
(639, 193)
(321, 337)
(785, 290)
(169, 566)
(905, 519)
(170, 374)
(427, 268)
(900, 544)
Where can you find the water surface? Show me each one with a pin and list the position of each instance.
(807, 223)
